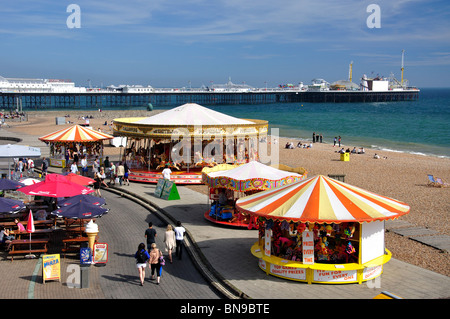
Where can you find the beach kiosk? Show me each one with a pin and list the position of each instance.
(187, 138)
(235, 181)
(321, 230)
(76, 138)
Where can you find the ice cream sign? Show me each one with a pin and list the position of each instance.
(308, 247)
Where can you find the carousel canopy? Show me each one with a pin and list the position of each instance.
(250, 176)
(192, 114)
(76, 133)
(323, 200)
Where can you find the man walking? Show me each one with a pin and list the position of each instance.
(179, 236)
(150, 234)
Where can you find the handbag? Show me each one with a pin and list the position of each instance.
(162, 261)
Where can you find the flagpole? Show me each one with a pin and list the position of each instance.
(30, 229)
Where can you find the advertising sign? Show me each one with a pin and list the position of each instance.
(51, 268)
(335, 276)
(159, 187)
(267, 242)
(170, 191)
(100, 253)
(288, 272)
(308, 247)
(85, 256)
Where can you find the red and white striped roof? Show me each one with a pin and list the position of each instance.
(322, 200)
(76, 133)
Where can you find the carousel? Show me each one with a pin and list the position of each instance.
(227, 183)
(187, 139)
(321, 230)
(65, 143)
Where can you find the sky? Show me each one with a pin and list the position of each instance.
(173, 43)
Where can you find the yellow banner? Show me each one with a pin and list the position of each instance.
(51, 267)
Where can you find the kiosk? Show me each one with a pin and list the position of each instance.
(321, 230)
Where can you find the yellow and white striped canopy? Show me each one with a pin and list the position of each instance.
(321, 200)
(75, 133)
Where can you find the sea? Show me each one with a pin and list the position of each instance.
(419, 127)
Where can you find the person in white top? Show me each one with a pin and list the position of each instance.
(179, 236)
(166, 172)
(74, 168)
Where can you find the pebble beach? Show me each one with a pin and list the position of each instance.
(401, 176)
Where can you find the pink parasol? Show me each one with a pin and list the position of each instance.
(55, 185)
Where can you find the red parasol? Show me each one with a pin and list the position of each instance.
(55, 185)
(79, 179)
(30, 229)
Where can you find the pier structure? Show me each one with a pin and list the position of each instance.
(105, 99)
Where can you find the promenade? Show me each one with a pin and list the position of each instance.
(227, 259)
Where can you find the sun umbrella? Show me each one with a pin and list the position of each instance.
(55, 185)
(323, 200)
(29, 181)
(30, 229)
(9, 184)
(94, 200)
(79, 179)
(15, 151)
(80, 210)
(8, 205)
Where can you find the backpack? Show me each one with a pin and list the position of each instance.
(141, 257)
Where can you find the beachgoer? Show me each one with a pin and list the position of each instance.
(166, 172)
(314, 137)
(339, 140)
(44, 167)
(99, 180)
(155, 253)
(169, 241)
(126, 172)
(179, 236)
(112, 174)
(84, 166)
(19, 225)
(321, 138)
(334, 142)
(376, 156)
(142, 256)
(6, 237)
(74, 168)
(120, 172)
(150, 234)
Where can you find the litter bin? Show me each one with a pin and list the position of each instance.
(84, 274)
(345, 157)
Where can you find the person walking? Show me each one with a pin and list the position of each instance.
(155, 264)
(99, 180)
(150, 234)
(112, 174)
(166, 172)
(84, 166)
(120, 172)
(339, 140)
(142, 256)
(169, 241)
(44, 167)
(127, 171)
(179, 236)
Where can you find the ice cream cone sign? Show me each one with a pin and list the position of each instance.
(91, 232)
(30, 224)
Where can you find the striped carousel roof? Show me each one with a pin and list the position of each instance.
(322, 200)
(75, 133)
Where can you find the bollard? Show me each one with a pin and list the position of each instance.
(84, 274)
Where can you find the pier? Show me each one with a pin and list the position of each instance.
(105, 99)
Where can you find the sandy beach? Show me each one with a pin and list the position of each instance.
(400, 176)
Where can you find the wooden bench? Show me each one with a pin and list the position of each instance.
(73, 244)
(16, 243)
(44, 231)
(37, 223)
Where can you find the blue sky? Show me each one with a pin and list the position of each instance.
(172, 43)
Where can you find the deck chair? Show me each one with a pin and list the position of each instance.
(431, 180)
(441, 183)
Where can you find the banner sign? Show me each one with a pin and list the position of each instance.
(308, 247)
(100, 253)
(267, 242)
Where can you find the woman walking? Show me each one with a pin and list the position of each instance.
(169, 241)
(155, 253)
(142, 257)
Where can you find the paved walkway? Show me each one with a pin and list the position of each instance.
(228, 257)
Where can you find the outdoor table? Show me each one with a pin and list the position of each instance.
(22, 246)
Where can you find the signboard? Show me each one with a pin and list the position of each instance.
(288, 272)
(170, 191)
(100, 253)
(335, 276)
(51, 268)
(308, 247)
(267, 242)
(159, 187)
(85, 256)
